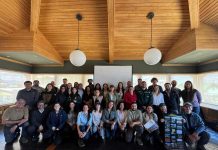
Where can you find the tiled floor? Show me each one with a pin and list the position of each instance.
(71, 145)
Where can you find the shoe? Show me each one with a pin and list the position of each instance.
(139, 142)
(81, 143)
(9, 143)
(23, 140)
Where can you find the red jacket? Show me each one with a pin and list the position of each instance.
(129, 99)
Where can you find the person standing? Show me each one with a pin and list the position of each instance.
(154, 83)
(129, 98)
(29, 94)
(191, 95)
(171, 99)
(37, 87)
(174, 84)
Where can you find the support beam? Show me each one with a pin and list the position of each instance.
(111, 12)
(194, 13)
(185, 44)
(43, 47)
(202, 40)
(35, 12)
(31, 42)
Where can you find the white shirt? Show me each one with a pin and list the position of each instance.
(157, 99)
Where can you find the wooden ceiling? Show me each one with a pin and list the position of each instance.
(110, 29)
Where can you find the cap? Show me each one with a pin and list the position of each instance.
(187, 103)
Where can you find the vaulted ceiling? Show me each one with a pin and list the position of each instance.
(110, 29)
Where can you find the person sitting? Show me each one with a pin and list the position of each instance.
(14, 117)
(109, 119)
(56, 122)
(71, 122)
(97, 124)
(194, 128)
(152, 136)
(161, 120)
(84, 123)
(134, 120)
(38, 121)
(121, 119)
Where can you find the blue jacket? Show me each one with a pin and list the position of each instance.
(196, 124)
(61, 117)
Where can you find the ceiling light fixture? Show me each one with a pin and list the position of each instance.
(153, 55)
(77, 57)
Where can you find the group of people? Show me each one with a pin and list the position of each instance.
(104, 113)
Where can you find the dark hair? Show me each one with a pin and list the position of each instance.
(149, 105)
(40, 101)
(118, 89)
(167, 83)
(64, 78)
(97, 103)
(153, 79)
(189, 83)
(118, 105)
(46, 89)
(27, 82)
(104, 85)
(98, 85)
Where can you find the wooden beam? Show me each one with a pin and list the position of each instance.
(185, 44)
(111, 12)
(44, 48)
(35, 12)
(17, 42)
(26, 41)
(194, 13)
(202, 39)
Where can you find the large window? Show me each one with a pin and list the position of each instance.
(44, 79)
(208, 85)
(10, 83)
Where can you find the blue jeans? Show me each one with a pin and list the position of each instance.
(196, 110)
(108, 132)
(83, 129)
(96, 131)
(9, 137)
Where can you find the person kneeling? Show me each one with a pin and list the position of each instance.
(56, 122)
(135, 126)
(151, 134)
(38, 121)
(84, 122)
(195, 134)
(14, 117)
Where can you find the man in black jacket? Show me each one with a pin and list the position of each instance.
(171, 99)
(38, 121)
(144, 97)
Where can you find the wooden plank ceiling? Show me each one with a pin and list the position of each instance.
(127, 20)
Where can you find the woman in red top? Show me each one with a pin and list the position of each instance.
(129, 97)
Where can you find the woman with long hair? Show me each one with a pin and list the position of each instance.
(84, 123)
(48, 96)
(97, 124)
(189, 94)
(120, 92)
(158, 98)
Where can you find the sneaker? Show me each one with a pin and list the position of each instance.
(23, 140)
(139, 142)
(81, 143)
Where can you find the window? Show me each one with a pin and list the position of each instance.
(208, 86)
(10, 83)
(44, 79)
(182, 78)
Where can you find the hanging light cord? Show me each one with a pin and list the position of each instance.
(78, 35)
(151, 33)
